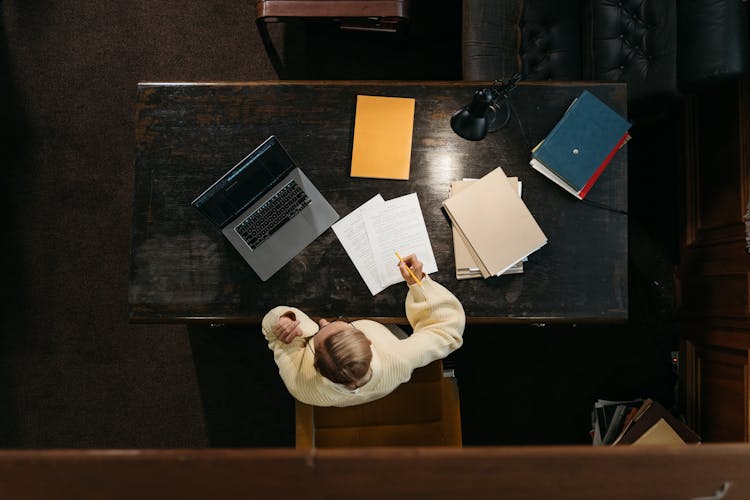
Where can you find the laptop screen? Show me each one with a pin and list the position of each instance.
(245, 183)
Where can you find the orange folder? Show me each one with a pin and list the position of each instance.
(383, 129)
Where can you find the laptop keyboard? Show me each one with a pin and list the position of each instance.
(271, 215)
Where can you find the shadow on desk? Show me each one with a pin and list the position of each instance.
(519, 385)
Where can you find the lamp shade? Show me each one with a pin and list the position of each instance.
(472, 122)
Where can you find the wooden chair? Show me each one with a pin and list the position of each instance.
(362, 15)
(377, 15)
(422, 412)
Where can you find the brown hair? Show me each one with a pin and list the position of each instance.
(345, 357)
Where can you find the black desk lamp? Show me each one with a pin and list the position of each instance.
(488, 111)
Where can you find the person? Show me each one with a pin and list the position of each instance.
(344, 364)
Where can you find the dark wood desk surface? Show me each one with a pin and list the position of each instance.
(187, 135)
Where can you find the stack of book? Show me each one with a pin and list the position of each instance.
(579, 148)
(637, 422)
(493, 230)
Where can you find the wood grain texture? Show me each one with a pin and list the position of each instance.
(713, 282)
(396, 9)
(187, 135)
(425, 411)
(563, 472)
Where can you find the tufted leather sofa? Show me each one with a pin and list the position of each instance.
(657, 46)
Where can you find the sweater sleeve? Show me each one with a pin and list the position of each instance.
(288, 357)
(438, 321)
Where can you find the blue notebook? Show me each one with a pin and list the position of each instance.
(581, 145)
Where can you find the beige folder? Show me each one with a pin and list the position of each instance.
(383, 128)
(495, 222)
(466, 265)
(661, 433)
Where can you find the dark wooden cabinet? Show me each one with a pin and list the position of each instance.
(713, 282)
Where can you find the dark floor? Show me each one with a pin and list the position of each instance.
(75, 373)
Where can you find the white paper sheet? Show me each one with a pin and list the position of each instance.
(352, 234)
(398, 226)
(373, 232)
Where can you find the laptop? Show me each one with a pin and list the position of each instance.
(267, 208)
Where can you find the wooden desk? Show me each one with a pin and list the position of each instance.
(187, 135)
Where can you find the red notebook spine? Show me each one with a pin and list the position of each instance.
(585, 189)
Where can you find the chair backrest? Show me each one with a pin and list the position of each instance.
(422, 412)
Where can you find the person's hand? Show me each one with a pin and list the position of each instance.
(287, 328)
(413, 263)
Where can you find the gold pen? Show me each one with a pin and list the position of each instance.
(419, 282)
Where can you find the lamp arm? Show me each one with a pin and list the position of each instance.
(500, 101)
(502, 90)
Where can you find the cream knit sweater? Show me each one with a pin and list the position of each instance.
(436, 317)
